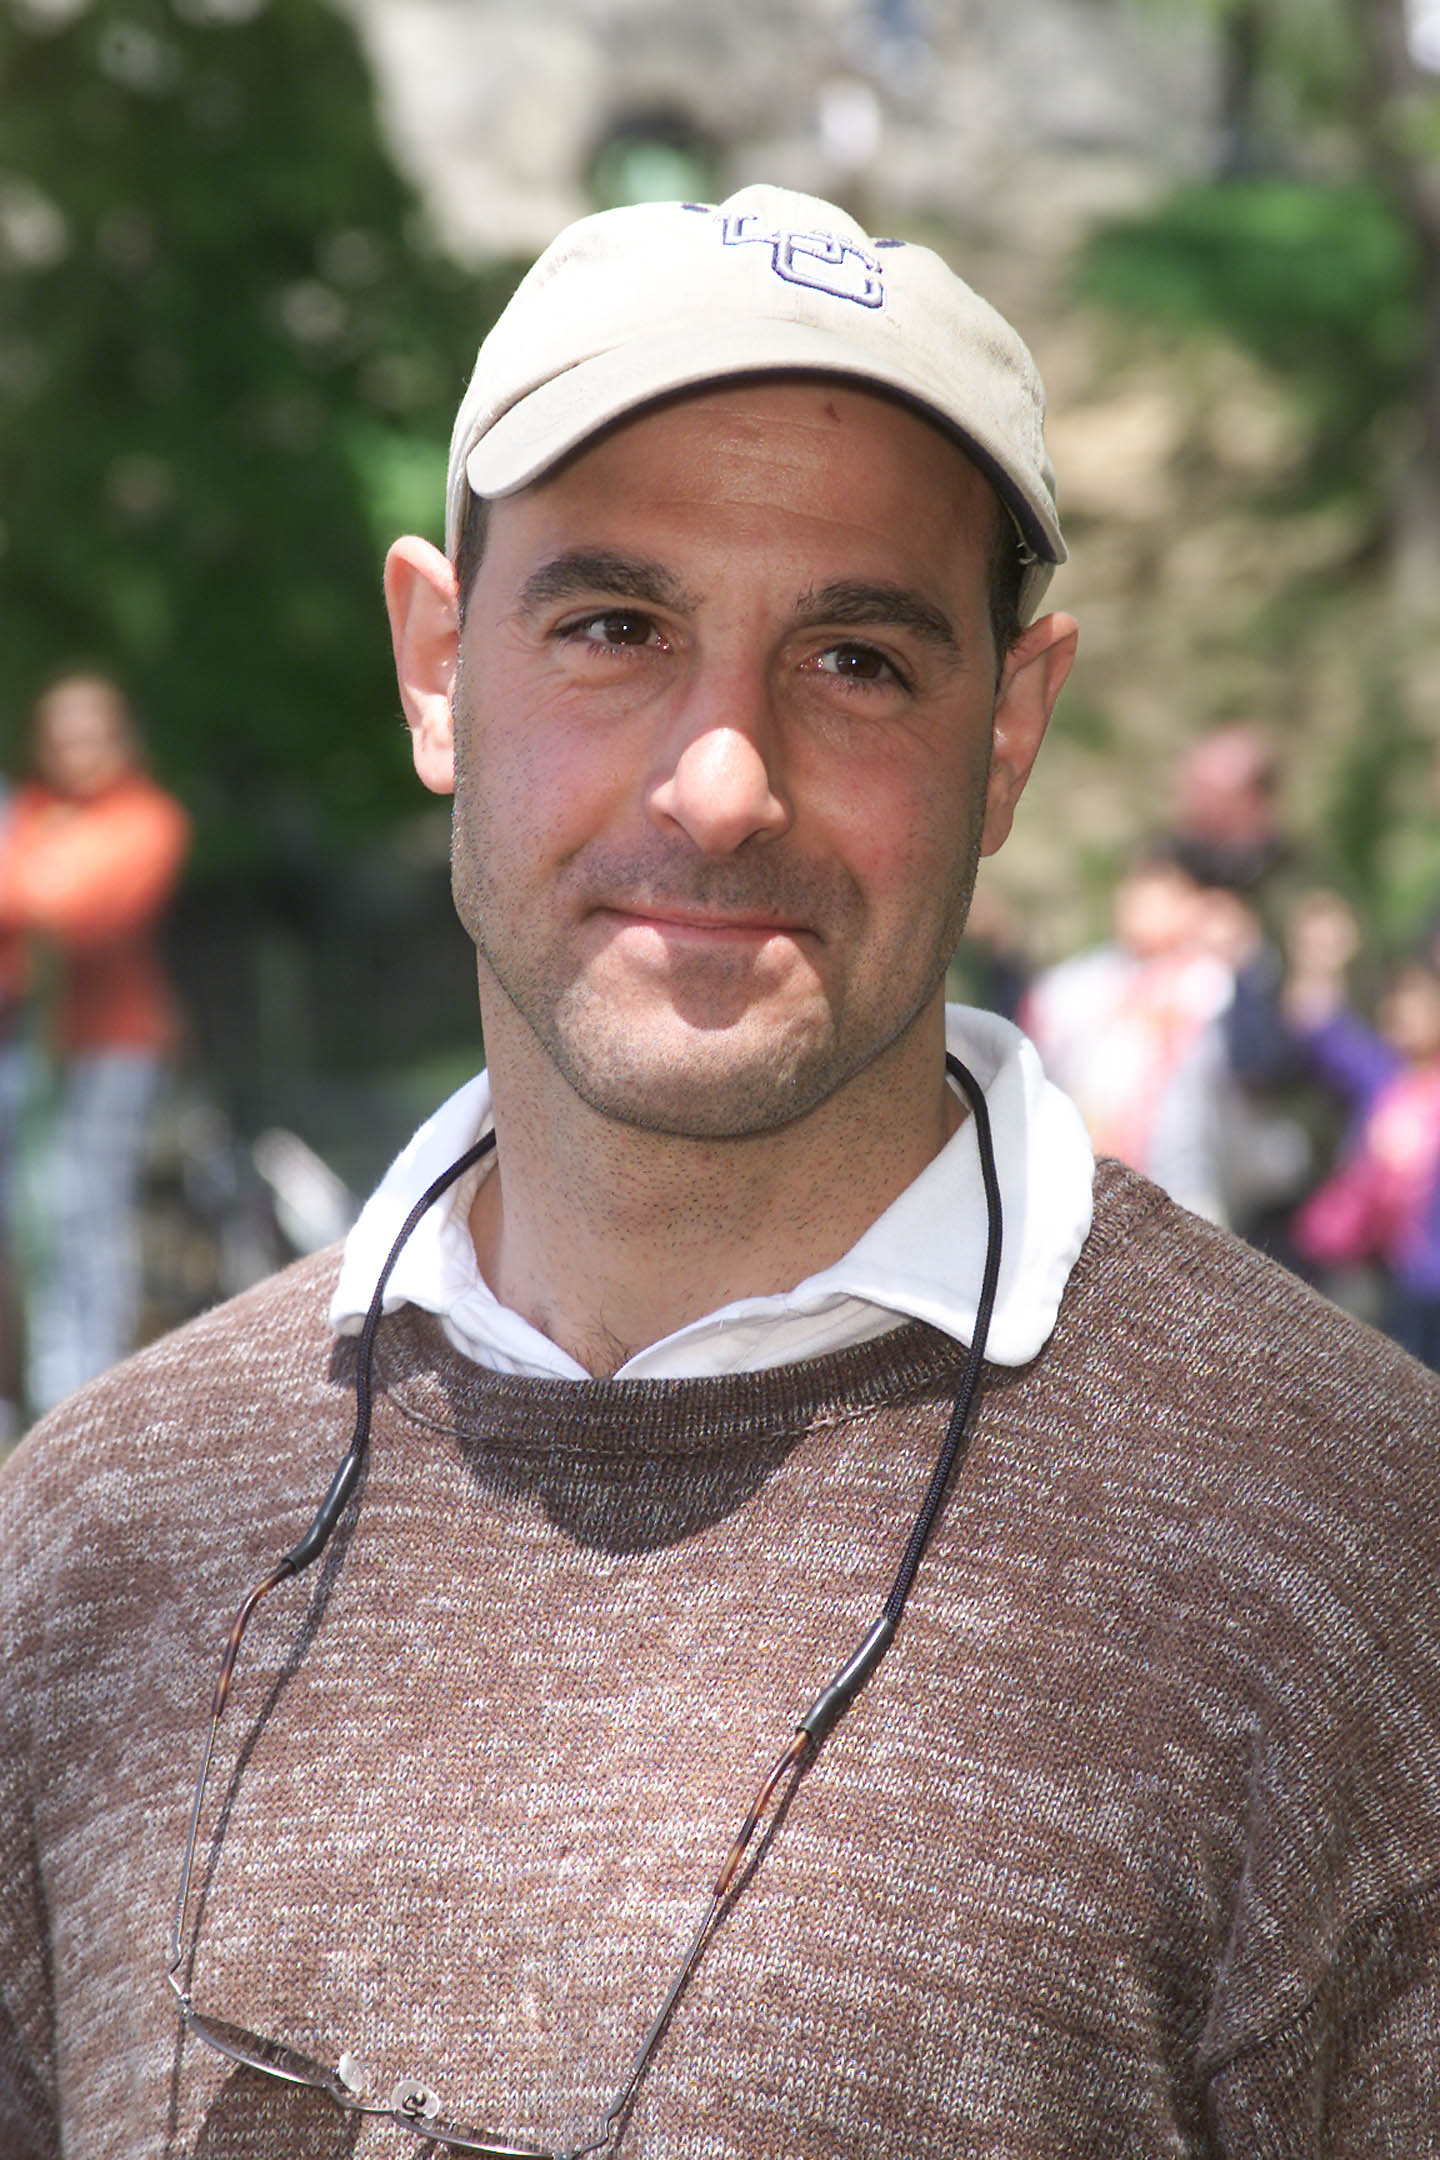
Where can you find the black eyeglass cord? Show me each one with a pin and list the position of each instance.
(853, 1675)
(834, 1700)
(828, 1707)
(317, 1537)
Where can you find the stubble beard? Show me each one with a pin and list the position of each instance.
(715, 1060)
(660, 1069)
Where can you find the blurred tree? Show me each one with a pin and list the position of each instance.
(1399, 104)
(228, 364)
(1242, 44)
(1335, 105)
(1319, 282)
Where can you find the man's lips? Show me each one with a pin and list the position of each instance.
(702, 924)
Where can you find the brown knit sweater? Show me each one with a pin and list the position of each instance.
(1131, 1848)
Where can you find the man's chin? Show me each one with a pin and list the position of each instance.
(701, 1085)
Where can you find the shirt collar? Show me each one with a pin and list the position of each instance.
(922, 1259)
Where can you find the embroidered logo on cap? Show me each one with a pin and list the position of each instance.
(822, 261)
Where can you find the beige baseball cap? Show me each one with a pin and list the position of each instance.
(632, 305)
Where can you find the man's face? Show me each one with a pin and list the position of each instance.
(724, 727)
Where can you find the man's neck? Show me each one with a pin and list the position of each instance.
(607, 1238)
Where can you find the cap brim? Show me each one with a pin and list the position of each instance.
(561, 414)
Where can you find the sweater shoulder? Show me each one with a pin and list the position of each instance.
(1150, 1248)
(258, 1334)
(1197, 1332)
(1156, 1266)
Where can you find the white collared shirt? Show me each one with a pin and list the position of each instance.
(922, 1259)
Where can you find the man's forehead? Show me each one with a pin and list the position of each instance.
(836, 428)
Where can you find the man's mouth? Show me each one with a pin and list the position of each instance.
(682, 922)
(713, 903)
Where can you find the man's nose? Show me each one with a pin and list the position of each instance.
(717, 775)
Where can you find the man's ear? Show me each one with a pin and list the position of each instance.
(1030, 681)
(423, 602)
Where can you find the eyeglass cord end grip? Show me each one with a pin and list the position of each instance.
(327, 1515)
(830, 1706)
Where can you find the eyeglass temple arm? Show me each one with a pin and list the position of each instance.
(796, 1757)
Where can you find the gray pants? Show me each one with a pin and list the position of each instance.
(85, 1295)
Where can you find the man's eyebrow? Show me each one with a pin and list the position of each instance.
(581, 572)
(853, 602)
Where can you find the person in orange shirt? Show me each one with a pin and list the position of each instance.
(89, 857)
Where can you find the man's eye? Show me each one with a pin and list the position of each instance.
(617, 626)
(857, 663)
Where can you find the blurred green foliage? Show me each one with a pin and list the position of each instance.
(229, 360)
(1320, 282)
(1364, 799)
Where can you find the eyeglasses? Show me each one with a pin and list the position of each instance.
(411, 2103)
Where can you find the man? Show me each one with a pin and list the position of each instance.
(1105, 1807)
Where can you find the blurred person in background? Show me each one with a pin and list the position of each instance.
(990, 967)
(1227, 828)
(1228, 831)
(1131, 1031)
(89, 857)
(1381, 1203)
